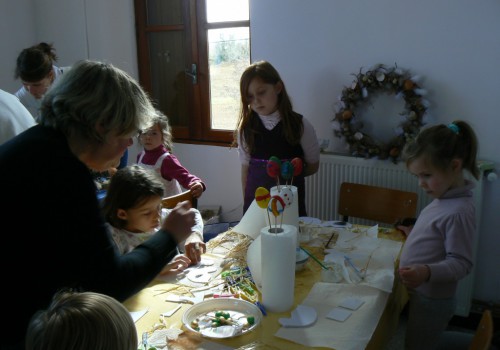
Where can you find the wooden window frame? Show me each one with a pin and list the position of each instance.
(199, 130)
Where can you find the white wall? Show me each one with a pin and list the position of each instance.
(316, 45)
(79, 29)
(17, 31)
(62, 23)
(453, 45)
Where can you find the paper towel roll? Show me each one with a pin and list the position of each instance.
(278, 267)
(290, 214)
(253, 220)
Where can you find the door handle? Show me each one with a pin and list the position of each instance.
(193, 73)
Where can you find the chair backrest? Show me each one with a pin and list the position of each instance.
(171, 202)
(484, 333)
(376, 203)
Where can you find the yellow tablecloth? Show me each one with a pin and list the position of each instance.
(153, 297)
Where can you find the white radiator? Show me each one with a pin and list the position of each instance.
(322, 190)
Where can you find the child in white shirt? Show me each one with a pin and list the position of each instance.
(132, 207)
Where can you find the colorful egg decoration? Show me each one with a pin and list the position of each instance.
(275, 159)
(273, 166)
(262, 197)
(286, 170)
(297, 166)
(276, 205)
(287, 195)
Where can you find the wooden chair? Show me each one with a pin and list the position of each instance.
(484, 333)
(171, 202)
(376, 203)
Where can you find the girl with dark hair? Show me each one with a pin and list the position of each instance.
(37, 71)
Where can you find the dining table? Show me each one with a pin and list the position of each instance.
(370, 327)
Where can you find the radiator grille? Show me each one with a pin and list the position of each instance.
(322, 190)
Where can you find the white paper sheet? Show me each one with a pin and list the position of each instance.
(352, 334)
(136, 315)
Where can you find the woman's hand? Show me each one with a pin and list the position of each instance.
(194, 248)
(180, 221)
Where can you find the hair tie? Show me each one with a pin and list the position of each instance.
(454, 127)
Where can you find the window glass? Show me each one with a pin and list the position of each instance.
(191, 54)
(229, 55)
(227, 10)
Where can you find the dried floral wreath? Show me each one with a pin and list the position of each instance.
(380, 79)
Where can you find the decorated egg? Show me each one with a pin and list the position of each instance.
(286, 170)
(275, 159)
(297, 166)
(394, 152)
(380, 76)
(287, 195)
(273, 166)
(408, 84)
(347, 114)
(262, 197)
(276, 205)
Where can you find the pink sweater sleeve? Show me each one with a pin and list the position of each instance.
(171, 168)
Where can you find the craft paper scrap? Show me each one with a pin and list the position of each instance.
(136, 315)
(372, 231)
(351, 303)
(302, 316)
(171, 312)
(339, 314)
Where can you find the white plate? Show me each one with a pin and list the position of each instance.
(301, 259)
(336, 224)
(238, 310)
(309, 221)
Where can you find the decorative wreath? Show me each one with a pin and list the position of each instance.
(380, 79)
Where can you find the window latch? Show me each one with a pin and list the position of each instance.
(193, 73)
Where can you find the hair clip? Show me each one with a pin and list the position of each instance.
(454, 127)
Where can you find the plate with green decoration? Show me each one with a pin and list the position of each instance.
(222, 317)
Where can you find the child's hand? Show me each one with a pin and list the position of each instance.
(414, 275)
(178, 264)
(405, 225)
(196, 189)
(405, 229)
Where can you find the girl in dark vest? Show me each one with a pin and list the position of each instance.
(268, 126)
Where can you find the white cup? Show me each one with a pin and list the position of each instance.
(308, 232)
(333, 274)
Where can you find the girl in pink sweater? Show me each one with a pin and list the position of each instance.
(438, 250)
(157, 155)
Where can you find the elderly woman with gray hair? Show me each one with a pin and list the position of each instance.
(51, 217)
